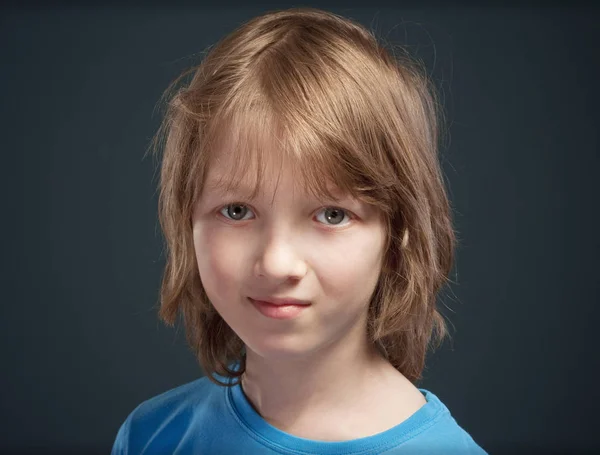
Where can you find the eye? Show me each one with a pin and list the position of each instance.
(236, 212)
(333, 216)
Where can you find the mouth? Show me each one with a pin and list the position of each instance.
(280, 308)
(281, 300)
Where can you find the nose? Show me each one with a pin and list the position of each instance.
(279, 259)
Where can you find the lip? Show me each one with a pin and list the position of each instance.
(276, 308)
(281, 301)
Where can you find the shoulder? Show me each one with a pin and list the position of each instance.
(169, 413)
(178, 400)
(441, 433)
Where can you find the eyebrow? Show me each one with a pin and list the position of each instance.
(245, 191)
(228, 187)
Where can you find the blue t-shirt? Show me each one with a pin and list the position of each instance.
(203, 418)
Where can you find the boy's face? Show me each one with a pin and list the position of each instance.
(287, 244)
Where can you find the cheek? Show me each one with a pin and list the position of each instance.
(220, 261)
(350, 267)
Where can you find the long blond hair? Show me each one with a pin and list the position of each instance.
(345, 110)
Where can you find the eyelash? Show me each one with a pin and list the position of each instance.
(348, 214)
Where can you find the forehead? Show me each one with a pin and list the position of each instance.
(252, 158)
(226, 177)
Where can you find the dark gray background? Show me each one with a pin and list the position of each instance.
(81, 345)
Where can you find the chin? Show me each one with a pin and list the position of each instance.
(280, 347)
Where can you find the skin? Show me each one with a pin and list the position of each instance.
(301, 371)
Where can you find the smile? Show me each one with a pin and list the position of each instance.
(279, 311)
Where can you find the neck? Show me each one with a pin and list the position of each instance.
(291, 393)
